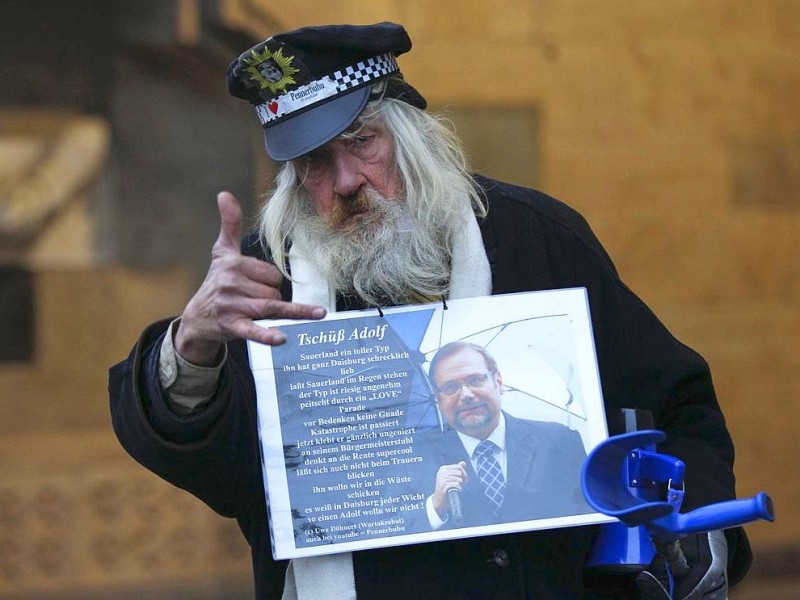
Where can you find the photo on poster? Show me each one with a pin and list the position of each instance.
(428, 422)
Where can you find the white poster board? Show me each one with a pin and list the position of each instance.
(352, 435)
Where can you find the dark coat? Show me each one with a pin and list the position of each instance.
(533, 242)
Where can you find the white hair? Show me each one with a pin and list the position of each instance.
(438, 195)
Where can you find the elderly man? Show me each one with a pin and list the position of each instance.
(504, 469)
(373, 206)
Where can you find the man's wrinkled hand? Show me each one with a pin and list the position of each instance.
(237, 290)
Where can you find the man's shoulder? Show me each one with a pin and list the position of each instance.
(518, 216)
(503, 198)
(512, 421)
(547, 435)
(541, 429)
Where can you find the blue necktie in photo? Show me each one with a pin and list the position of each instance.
(492, 480)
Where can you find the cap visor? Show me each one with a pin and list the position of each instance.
(311, 129)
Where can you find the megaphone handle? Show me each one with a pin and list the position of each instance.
(721, 515)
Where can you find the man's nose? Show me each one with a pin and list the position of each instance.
(348, 177)
(465, 393)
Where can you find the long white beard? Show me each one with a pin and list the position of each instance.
(385, 255)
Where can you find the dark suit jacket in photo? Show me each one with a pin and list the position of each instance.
(543, 472)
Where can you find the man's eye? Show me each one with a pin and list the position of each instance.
(313, 162)
(359, 140)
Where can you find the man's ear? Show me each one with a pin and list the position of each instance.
(498, 379)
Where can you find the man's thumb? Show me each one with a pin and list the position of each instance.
(230, 215)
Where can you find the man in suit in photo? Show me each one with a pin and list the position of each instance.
(500, 468)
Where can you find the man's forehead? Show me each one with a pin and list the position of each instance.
(354, 128)
(463, 357)
(357, 127)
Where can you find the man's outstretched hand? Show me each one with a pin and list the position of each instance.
(237, 289)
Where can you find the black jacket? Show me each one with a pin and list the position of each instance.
(533, 242)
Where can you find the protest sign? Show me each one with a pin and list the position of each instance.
(352, 436)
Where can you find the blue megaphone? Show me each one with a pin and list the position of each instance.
(623, 477)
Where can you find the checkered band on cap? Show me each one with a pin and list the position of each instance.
(365, 71)
(326, 88)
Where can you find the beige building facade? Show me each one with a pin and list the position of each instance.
(672, 127)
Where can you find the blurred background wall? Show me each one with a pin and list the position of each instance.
(673, 127)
